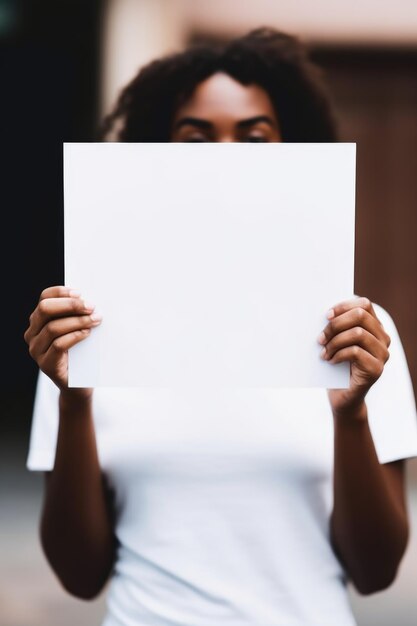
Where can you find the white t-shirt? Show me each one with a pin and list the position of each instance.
(223, 498)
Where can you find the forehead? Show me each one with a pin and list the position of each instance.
(220, 94)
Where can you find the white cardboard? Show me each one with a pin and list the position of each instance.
(212, 264)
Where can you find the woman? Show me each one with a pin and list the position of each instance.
(254, 506)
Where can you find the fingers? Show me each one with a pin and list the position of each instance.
(354, 334)
(369, 364)
(58, 327)
(357, 336)
(51, 308)
(348, 305)
(62, 344)
(354, 317)
(60, 320)
(58, 291)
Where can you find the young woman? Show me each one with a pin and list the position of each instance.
(246, 507)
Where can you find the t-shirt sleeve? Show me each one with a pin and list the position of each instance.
(44, 430)
(391, 404)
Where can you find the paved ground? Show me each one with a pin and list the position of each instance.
(30, 595)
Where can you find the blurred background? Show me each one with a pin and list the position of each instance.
(63, 63)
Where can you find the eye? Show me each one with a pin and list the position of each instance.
(193, 137)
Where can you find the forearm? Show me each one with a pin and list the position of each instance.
(368, 527)
(76, 527)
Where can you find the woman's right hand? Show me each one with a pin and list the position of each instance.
(60, 320)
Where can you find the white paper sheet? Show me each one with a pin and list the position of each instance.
(212, 264)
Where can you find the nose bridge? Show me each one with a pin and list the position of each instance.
(227, 139)
(225, 129)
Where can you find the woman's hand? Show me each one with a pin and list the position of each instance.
(60, 320)
(354, 334)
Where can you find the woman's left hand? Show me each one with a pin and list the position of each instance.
(354, 334)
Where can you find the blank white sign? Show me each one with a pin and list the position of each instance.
(212, 264)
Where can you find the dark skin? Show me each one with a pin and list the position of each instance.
(223, 110)
(368, 524)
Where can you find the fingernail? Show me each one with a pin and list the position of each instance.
(330, 314)
(73, 293)
(323, 353)
(89, 305)
(96, 317)
(321, 338)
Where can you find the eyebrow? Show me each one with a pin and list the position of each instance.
(206, 125)
(256, 120)
(193, 121)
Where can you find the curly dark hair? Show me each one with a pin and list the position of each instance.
(274, 60)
